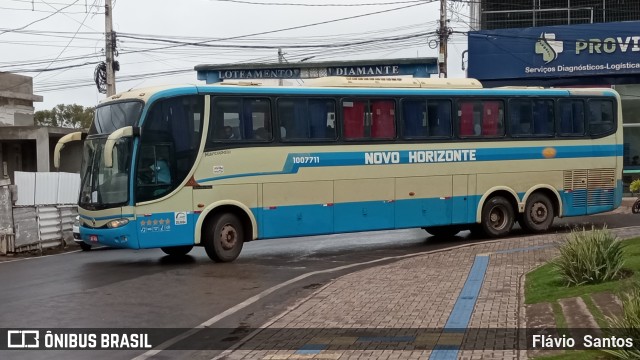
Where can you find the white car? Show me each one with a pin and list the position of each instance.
(76, 235)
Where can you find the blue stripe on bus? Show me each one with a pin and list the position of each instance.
(318, 219)
(329, 159)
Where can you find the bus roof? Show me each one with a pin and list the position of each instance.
(342, 86)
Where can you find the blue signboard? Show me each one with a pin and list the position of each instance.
(416, 67)
(609, 49)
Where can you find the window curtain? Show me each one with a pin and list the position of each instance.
(412, 113)
(318, 113)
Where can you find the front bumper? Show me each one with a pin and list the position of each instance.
(122, 237)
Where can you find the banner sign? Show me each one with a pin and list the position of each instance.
(555, 51)
(213, 73)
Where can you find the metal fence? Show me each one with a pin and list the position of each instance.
(527, 13)
(40, 227)
(43, 211)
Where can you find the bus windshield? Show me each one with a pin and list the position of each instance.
(104, 187)
(111, 117)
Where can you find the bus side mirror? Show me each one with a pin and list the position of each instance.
(76, 136)
(113, 139)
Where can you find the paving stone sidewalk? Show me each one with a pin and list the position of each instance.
(415, 293)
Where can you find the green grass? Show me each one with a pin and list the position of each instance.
(561, 321)
(544, 284)
(575, 355)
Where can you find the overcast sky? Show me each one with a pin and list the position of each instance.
(74, 36)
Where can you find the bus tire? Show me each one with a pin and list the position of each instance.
(443, 231)
(224, 238)
(538, 213)
(85, 247)
(497, 217)
(177, 250)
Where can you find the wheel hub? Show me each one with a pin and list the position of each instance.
(539, 213)
(228, 237)
(498, 218)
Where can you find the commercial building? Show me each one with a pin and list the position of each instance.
(563, 43)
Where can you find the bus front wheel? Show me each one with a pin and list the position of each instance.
(177, 250)
(225, 237)
(497, 217)
(538, 214)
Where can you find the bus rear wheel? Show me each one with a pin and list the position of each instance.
(497, 217)
(443, 231)
(538, 214)
(177, 250)
(224, 238)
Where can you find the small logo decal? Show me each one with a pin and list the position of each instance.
(549, 153)
(549, 47)
(180, 218)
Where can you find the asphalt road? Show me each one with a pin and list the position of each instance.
(113, 288)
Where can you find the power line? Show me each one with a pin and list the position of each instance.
(69, 43)
(52, 3)
(294, 27)
(43, 11)
(322, 5)
(36, 21)
(279, 46)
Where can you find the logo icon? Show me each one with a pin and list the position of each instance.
(549, 47)
(23, 339)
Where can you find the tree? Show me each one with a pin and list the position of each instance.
(70, 116)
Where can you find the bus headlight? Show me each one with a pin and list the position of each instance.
(117, 223)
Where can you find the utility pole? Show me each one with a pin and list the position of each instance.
(110, 48)
(280, 60)
(444, 36)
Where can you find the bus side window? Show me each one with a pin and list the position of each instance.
(413, 113)
(520, 117)
(440, 119)
(426, 118)
(353, 113)
(571, 117)
(304, 119)
(543, 117)
(601, 118)
(383, 119)
(491, 118)
(466, 118)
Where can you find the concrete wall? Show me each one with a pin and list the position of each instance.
(16, 83)
(16, 100)
(6, 211)
(30, 148)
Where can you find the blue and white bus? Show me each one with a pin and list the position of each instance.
(220, 165)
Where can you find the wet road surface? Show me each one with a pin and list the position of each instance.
(113, 288)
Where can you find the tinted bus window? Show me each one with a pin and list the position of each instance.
(571, 114)
(480, 118)
(169, 145)
(426, 118)
(238, 119)
(531, 117)
(369, 119)
(302, 119)
(601, 118)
